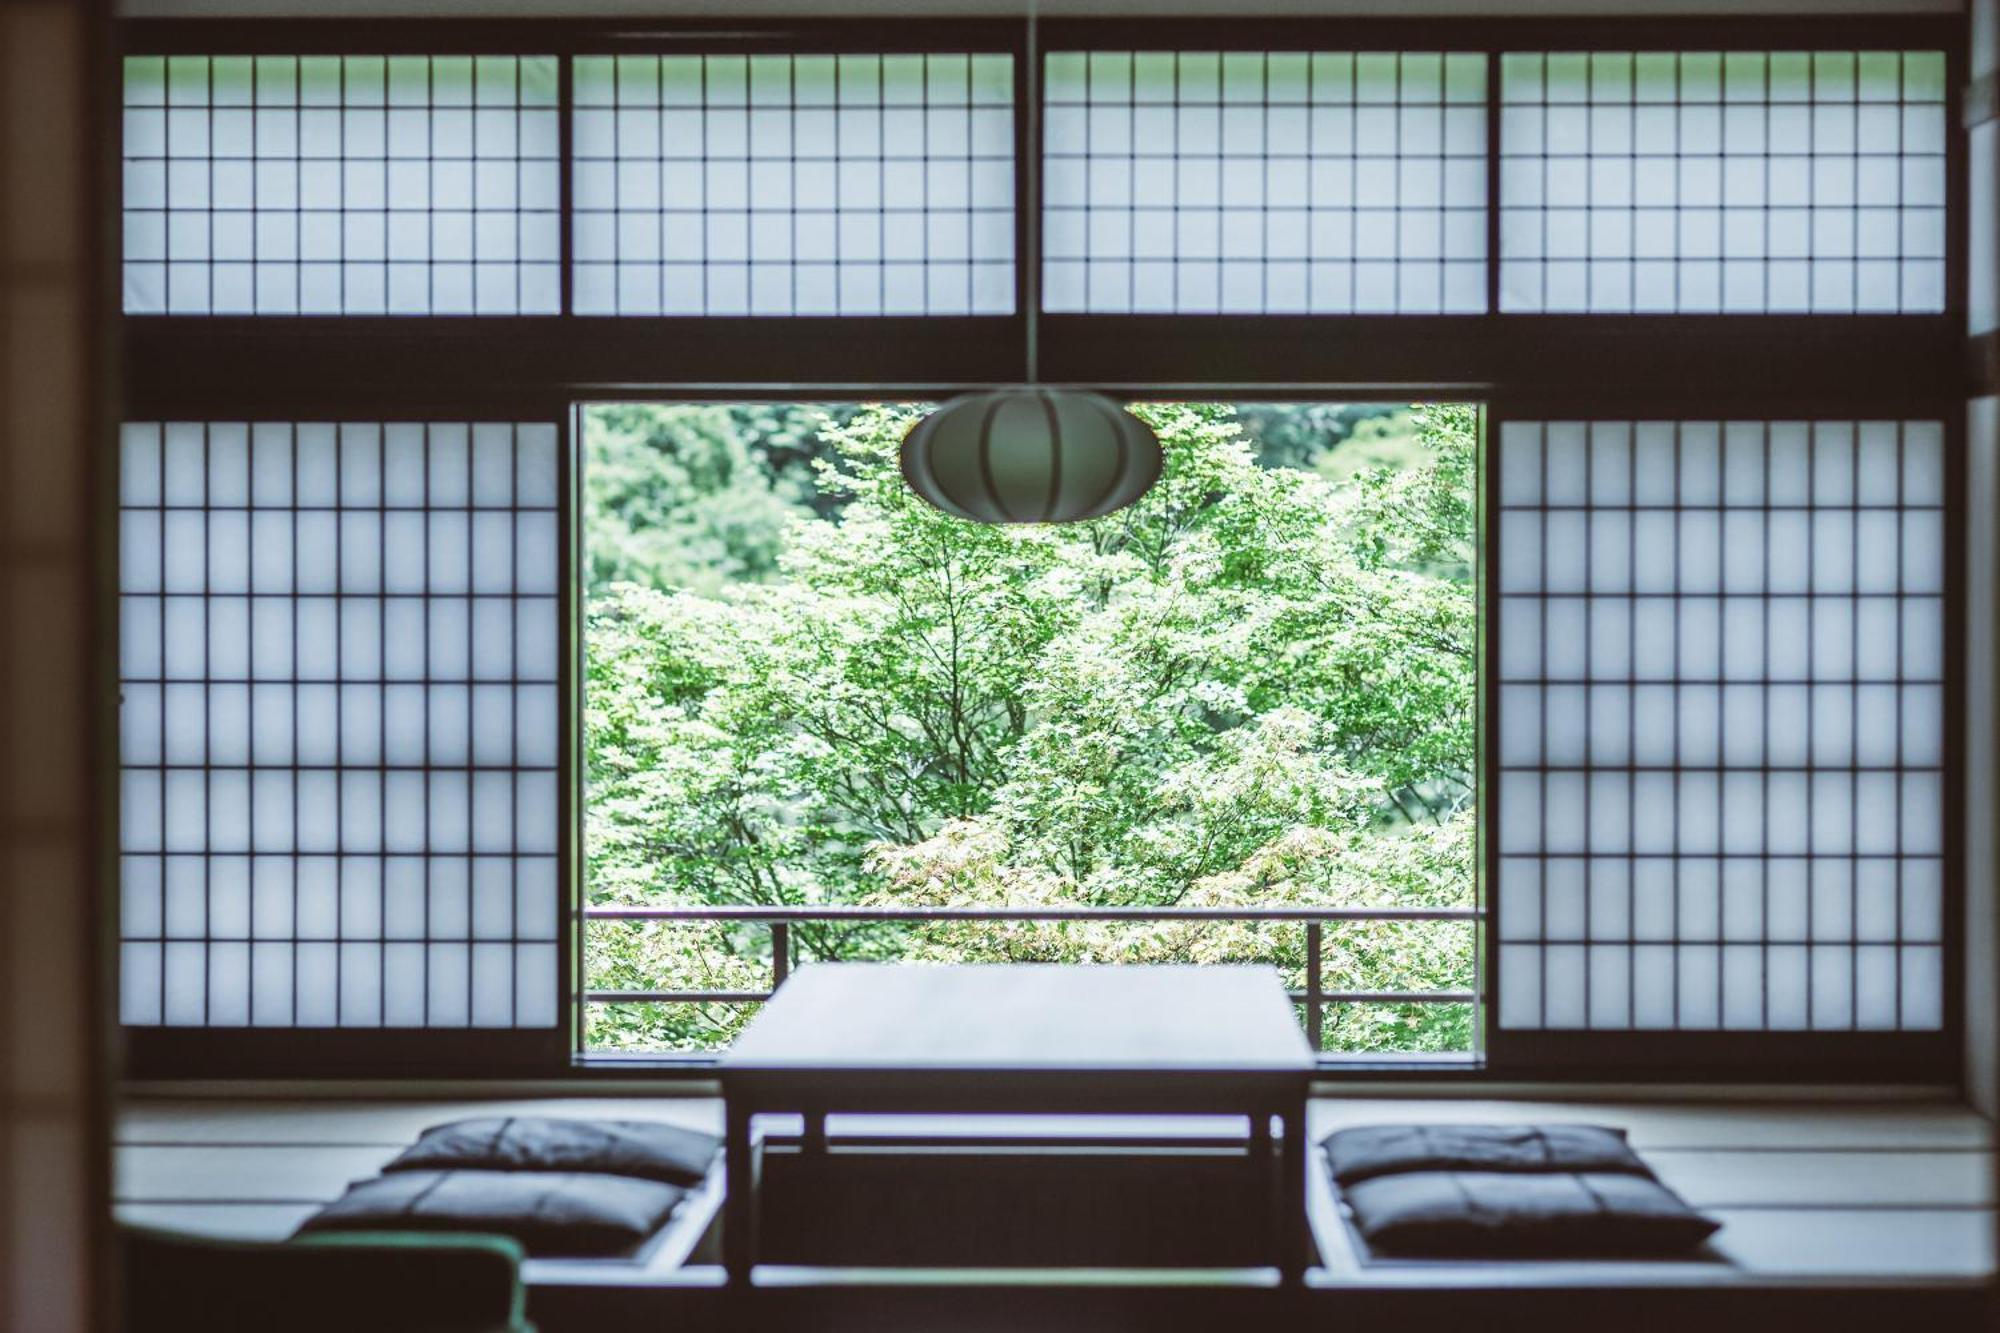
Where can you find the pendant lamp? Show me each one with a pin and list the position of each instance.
(1032, 453)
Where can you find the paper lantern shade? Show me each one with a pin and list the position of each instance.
(1030, 455)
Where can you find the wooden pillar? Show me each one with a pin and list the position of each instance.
(53, 419)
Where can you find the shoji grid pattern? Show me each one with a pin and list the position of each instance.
(1251, 182)
(794, 185)
(338, 724)
(1721, 724)
(1740, 181)
(342, 185)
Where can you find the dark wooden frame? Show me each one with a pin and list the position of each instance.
(1569, 366)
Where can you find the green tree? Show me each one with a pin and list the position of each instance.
(1253, 687)
(698, 496)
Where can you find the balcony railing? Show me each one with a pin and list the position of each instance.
(779, 920)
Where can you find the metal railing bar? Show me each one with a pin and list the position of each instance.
(1391, 996)
(1315, 1010)
(844, 913)
(778, 919)
(676, 996)
(758, 996)
(781, 953)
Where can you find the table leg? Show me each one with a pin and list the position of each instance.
(813, 1141)
(1294, 1228)
(1263, 1160)
(739, 1204)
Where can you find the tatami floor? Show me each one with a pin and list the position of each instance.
(1877, 1190)
(1803, 1190)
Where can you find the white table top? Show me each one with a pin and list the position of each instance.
(1026, 1017)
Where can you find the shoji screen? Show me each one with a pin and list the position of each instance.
(854, 184)
(1720, 724)
(1253, 182)
(1738, 181)
(342, 185)
(338, 724)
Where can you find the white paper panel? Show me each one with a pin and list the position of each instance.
(339, 185)
(1726, 791)
(295, 796)
(771, 184)
(1253, 182)
(1739, 182)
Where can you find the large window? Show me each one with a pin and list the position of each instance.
(527, 648)
(1253, 690)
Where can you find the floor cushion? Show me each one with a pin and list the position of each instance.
(1513, 1213)
(1378, 1150)
(551, 1213)
(1526, 1191)
(644, 1149)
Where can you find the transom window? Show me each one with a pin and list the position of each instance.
(1253, 182)
(1184, 181)
(1685, 181)
(794, 185)
(342, 185)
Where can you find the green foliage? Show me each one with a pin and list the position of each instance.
(1253, 687)
(696, 497)
(1332, 438)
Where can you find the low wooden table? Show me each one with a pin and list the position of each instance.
(1019, 1038)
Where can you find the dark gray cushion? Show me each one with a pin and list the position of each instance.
(1522, 1214)
(1368, 1151)
(549, 1212)
(642, 1148)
